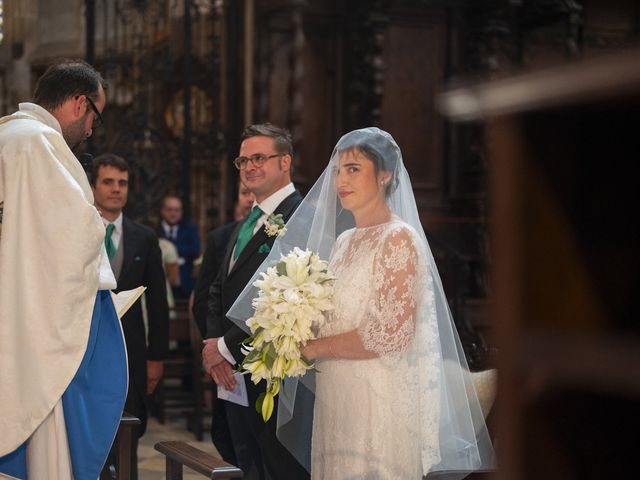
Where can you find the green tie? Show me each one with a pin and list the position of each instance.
(108, 243)
(246, 231)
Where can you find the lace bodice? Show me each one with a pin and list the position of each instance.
(376, 279)
(365, 409)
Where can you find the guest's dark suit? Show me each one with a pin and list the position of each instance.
(187, 243)
(213, 257)
(256, 446)
(142, 265)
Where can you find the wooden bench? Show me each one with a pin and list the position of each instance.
(181, 454)
(122, 443)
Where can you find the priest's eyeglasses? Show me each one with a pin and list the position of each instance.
(97, 121)
(258, 160)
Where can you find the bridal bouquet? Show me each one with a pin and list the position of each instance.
(293, 296)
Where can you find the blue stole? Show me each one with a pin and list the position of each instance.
(94, 399)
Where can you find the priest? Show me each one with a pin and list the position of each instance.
(63, 371)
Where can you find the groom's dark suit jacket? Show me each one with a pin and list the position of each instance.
(223, 292)
(229, 284)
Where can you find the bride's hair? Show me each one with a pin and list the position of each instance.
(378, 147)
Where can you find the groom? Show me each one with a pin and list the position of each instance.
(265, 163)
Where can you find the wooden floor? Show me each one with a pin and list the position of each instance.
(151, 465)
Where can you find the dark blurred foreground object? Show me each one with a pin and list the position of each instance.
(563, 146)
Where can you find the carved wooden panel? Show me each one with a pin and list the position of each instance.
(413, 57)
(321, 93)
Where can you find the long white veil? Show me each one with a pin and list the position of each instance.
(462, 444)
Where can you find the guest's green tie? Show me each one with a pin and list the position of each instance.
(246, 231)
(108, 242)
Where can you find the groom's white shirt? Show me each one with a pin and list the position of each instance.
(268, 206)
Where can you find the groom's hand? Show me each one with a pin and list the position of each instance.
(222, 374)
(211, 356)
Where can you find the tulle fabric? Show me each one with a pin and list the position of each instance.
(429, 393)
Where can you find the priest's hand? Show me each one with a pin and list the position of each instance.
(155, 369)
(222, 374)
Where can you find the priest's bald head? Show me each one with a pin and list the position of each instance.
(74, 93)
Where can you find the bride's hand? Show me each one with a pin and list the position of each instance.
(308, 350)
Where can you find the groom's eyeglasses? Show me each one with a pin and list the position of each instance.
(258, 160)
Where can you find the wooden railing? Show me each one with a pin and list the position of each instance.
(180, 454)
(122, 445)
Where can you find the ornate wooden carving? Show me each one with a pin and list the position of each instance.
(140, 48)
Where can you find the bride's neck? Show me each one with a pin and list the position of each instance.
(373, 215)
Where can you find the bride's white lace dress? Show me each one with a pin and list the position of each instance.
(370, 418)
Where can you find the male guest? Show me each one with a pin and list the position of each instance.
(63, 374)
(265, 168)
(244, 203)
(136, 260)
(185, 237)
(217, 241)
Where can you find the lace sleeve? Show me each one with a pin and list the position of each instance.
(390, 321)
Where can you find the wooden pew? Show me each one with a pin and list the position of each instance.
(181, 454)
(123, 449)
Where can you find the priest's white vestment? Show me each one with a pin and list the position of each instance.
(52, 264)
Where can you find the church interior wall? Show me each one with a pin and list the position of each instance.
(320, 69)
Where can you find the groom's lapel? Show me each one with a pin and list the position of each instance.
(286, 208)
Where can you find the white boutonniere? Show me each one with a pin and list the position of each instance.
(275, 225)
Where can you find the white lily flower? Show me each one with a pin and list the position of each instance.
(292, 299)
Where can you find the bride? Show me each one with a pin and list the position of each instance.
(393, 397)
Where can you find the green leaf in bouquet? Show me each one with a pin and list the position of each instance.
(259, 401)
(281, 268)
(269, 355)
(252, 356)
(251, 338)
(274, 388)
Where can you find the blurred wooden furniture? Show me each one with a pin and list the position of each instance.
(563, 145)
(122, 443)
(181, 454)
(181, 388)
